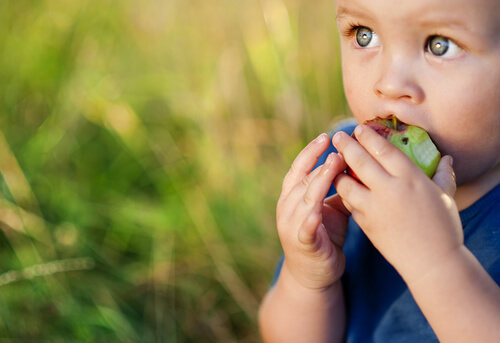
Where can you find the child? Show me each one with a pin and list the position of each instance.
(424, 263)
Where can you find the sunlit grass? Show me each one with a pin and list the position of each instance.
(149, 139)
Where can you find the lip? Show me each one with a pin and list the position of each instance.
(398, 117)
(402, 119)
(406, 113)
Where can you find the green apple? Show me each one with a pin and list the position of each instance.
(412, 140)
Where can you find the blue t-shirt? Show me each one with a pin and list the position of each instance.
(379, 305)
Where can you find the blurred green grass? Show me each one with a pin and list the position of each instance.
(142, 149)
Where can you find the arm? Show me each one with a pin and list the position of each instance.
(415, 224)
(459, 299)
(293, 313)
(306, 304)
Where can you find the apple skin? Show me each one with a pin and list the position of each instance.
(412, 140)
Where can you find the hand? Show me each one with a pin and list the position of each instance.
(312, 230)
(410, 219)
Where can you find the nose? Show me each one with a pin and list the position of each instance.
(397, 81)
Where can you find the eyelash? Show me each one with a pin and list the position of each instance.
(350, 29)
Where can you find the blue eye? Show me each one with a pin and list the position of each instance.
(366, 38)
(442, 47)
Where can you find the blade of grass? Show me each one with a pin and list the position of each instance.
(114, 317)
(132, 132)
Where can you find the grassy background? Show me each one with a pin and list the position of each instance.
(142, 148)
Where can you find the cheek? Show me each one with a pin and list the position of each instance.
(470, 112)
(358, 93)
(469, 131)
(358, 71)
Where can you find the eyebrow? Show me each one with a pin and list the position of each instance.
(343, 12)
(440, 22)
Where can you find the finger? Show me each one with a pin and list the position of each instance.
(321, 182)
(313, 188)
(307, 234)
(335, 217)
(353, 193)
(313, 232)
(314, 241)
(364, 165)
(335, 202)
(445, 176)
(386, 154)
(392, 159)
(304, 162)
(308, 195)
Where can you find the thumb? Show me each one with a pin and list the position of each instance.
(445, 176)
(311, 241)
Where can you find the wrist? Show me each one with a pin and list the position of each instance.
(303, 291)
(448, 263)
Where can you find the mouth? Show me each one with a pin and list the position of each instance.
(412, 140)
(395, 122)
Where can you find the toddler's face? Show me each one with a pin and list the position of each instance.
(435, 64)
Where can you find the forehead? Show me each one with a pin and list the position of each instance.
(471, 13)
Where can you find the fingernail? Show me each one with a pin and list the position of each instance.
(321, 138)
(328, 164)
(329, 159)
(451, 161)
(336, 138)
(358, 130)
